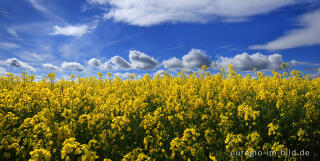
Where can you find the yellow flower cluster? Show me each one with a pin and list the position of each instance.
(186, 117)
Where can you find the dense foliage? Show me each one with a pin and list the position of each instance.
(185, 117)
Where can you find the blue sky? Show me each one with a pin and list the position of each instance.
(148, 36)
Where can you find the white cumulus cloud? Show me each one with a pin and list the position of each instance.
(246, 62)
(97, 63)
(51, 67)
(14, 62)
(138, 60)
(72, 65)
(142, 61)
(120, 63)
(172, 63)
(194, 59)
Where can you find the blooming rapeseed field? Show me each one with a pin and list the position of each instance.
(185, 117)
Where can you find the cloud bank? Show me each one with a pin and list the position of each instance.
(246, 62)
(190, 62)
(196, 58)
(138, 61)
